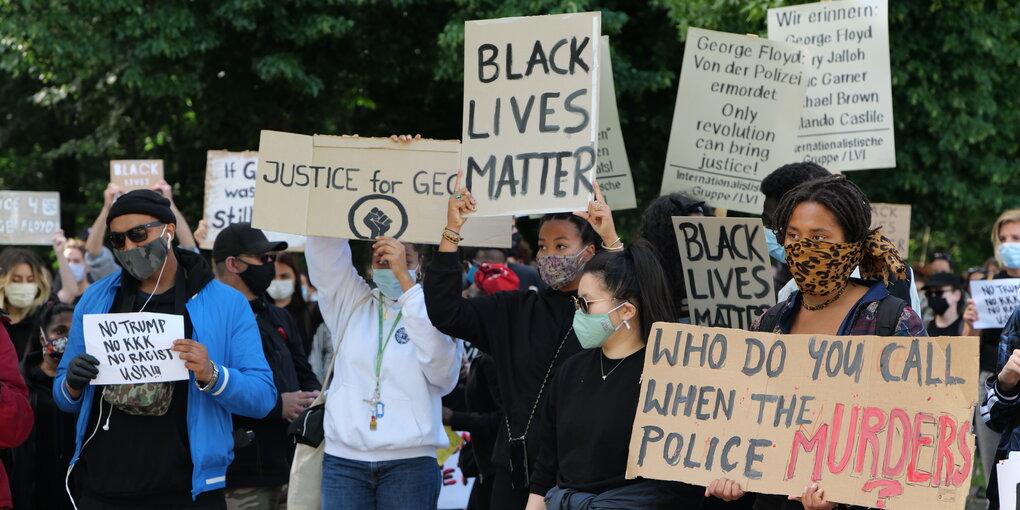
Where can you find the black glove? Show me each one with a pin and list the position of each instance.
(82, 369)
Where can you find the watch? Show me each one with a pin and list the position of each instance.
(212, 380)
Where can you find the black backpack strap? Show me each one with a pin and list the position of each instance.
(888, 315)
(769, 320)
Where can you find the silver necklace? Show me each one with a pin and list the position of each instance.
(602, 369)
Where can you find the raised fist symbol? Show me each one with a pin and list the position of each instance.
(378, 223)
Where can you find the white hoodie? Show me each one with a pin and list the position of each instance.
(419, 366)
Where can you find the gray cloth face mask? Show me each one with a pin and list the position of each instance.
(141, 262)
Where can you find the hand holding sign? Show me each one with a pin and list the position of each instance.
(813, 498)
(600, 217)
(196, 358)
(461, 205)
(724, 489)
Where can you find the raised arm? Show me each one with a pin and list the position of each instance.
(331, 270)
(184, 236)
(68, 285)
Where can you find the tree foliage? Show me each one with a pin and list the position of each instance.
(82, 82)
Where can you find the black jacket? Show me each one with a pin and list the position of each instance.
(482, 418)
(521, 330)
(266, 461)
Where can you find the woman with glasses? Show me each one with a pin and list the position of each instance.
(588, 417)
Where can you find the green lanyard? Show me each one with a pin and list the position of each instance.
(382, 345)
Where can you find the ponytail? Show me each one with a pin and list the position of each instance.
(635, 275)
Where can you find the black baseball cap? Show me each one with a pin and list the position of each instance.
(943, 280)
(240, 239)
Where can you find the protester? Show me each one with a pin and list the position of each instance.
(825, 225)
(528, 334)
(24, 288)
(657, 227)
(992, 359)
(162, 444)
(245, 260)
(944, 293)
(1000, 406)
(74, 253)
(940, 263)
(482, 419)
(40, 463)
(287, 292)
(66, 286)
(527, 276)
(15, 412)
(383, 422)
(589, 414)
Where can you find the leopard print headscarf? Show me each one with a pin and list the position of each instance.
(821, 268)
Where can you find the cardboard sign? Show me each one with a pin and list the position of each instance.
(360, 188)
(230, 195)
(737, 109)
(531, 87)
(136, 173)
(29, 217)
(456, 489)
(894, 220)
(135, 347)
(727, 270)
(877, 422)
(995, 301)
(613, 170)
(847, 122)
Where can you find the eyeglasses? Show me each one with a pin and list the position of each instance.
(582, 304)
(136, 235)
(264, 258)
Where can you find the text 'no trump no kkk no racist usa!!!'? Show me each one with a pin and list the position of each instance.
(135, 347)
(531, 93)
(875, 421)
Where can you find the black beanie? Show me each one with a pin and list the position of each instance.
(142, 201)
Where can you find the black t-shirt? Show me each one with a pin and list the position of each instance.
(144, 460)
(954, 329)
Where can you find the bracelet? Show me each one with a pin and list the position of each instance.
(452, 236)
(212, 380)
(613, 246)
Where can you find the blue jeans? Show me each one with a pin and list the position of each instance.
(406, 484)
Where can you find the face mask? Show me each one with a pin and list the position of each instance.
(593, 329)
(142, 261)
(471, 273)
(559, 270)
(281, 289)
(938, 304)
(776, 250)
(1010, 254)
(821, 268)
(54, 348)
(388, 283)
(78, 270)
(21, 295)
(258, 278)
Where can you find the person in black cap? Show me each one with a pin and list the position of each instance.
(164, 444)
(944, 292)
(244, 259)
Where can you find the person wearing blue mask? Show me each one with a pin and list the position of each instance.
(383, 415)
(588, 417)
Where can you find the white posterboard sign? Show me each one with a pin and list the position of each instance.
(230, 196)
(134, 348)
(737, 110)
(847, 121)
(531, 95)
(29, 217)
(995, 301)
(613, 170)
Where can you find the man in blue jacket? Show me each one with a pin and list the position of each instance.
(162, 445)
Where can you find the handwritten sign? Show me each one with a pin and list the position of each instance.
(613, 170)
(531, 88)
(29, 217)
(877, 422)
(894, 220)
(360, 188)
(995, 301)
(737, 109)
(847, 122)
(727, 271)
(230, 195)
(135, 347)
(136, 173)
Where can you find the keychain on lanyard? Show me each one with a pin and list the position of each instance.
(378, 407)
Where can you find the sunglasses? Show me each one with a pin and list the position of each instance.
(136, 235)
(937, 292)
(582, 304)
(264, 258)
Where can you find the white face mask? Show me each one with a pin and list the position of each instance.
(21, 295)
(78, 270)
(281, 289)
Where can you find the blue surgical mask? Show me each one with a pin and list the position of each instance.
(471, 273)
(78, 270)
(388, 283)
(776, 250)
(1010, 254)
(593, 329)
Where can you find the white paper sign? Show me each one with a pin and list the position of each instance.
(995, 301)
(847, 121)
(1008, 475)
(135, 347)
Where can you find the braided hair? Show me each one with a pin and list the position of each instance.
(847, 202)
(635, 275)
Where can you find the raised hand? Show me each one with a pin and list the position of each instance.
(378, 223)
(600, 216)
(110, 194)
(460, 206)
